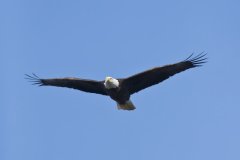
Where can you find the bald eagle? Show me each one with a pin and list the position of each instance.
(120, 89)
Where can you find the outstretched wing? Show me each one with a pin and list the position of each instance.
(75, 83)
(156, 75)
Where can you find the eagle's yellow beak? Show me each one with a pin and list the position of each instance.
(108, 79)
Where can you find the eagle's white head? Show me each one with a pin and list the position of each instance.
(111, 83)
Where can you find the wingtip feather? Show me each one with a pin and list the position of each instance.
(34, 79)
(198, 60)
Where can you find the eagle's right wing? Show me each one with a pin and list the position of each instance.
(75, 83)
(156, 75)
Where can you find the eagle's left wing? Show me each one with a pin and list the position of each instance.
(75, 83)
(156, 75)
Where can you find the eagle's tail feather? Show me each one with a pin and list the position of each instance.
(126, 106)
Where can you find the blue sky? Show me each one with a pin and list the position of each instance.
(192, 116)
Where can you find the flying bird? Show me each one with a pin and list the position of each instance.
(121, 89)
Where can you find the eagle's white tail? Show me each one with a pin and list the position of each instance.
(126, 106)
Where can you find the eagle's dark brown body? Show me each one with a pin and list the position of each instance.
(120, 94)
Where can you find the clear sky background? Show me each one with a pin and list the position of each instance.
(192, 116)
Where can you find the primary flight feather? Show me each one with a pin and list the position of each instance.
(121, 89)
